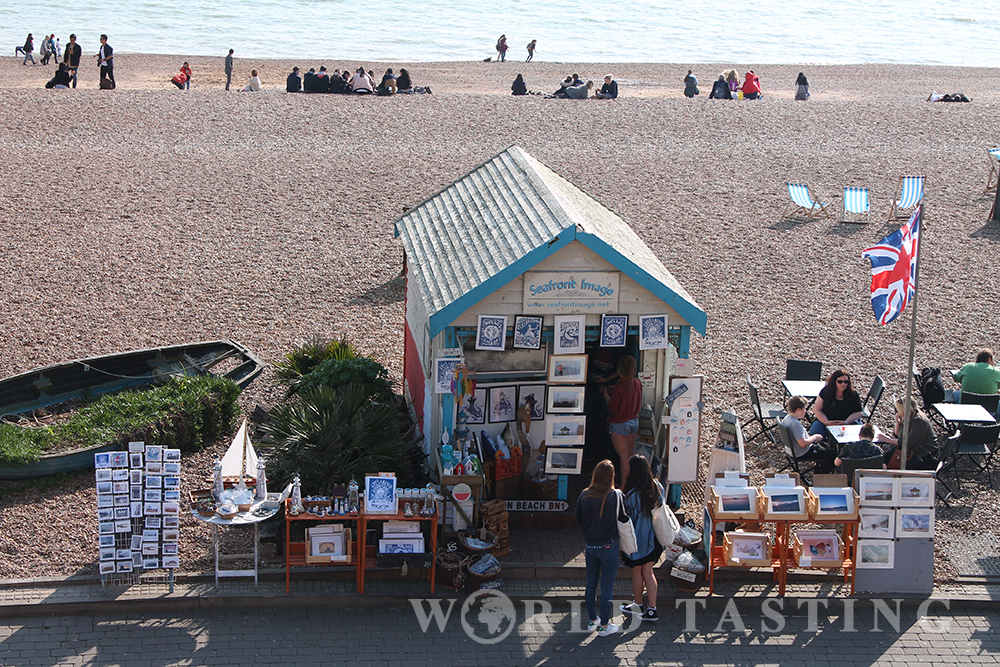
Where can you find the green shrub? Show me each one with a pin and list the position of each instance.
(306, 357)
(330, 436)
(368, 374)
(185, 413)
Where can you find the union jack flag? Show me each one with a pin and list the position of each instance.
(894, 269)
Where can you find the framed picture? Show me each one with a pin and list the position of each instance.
(119, 487)
(473, 407)
(151, 549)
(122, 500)
(119, 459)
(171, 494)
(135, 493)
(103, 474)
(503, 404)
(400, 546)
(107, 540)
(569, 334)
(135, 477)
(154, 453)
(119, 475)
(916, 492)
(913, 522)
(136, 560)
(102, 460)
(171, 534)
(136, 446)
(567, 369)
(154, 482)
(152, 509)
(565, 430)
(172, 455)
(153, 468)
(136, 543)
(748, 546)
(614, 329)
(527, 332)
(123, 565)
(135, 509)
(106, 527)
(107, 554)
(152, 522)
(782, 500)
(123, 526)
(171, 522)
(566, 399)
(153, 496)
(104, 487)
(326, 544)
(121, 512)
(563, 460)
(834, 500)
(878, 491)
(135, 460)
(105, 500)
(171, 482)
(380, 495)
(737, 501)
(151, 563)
(819, 545)
(107, 567)
(173, 509)
(106, 514)
(171, 468)
(652, 332)
(534, 395)
(876, 554)
(171, 562)
(169, 548)
(491, 334)
(121, 554)
(444, 374)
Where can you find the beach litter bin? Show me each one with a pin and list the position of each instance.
(688, 572)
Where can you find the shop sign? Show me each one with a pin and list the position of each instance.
(536, 505)
(648, 380)
(567, 292)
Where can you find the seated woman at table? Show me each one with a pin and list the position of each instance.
(921, 443)
(807, 448)
(837, 404)
(862, 449)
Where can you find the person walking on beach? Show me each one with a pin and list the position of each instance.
(105, 58)
(29, 48)
(186, 71)
(642, 494)
(690, 85)
(229, 69)
(531, 50)
(502, 48)
(43, 50)
(801, 87)
(72, 57)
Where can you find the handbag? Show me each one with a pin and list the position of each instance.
(665, 525)
(626, 529)
(897, 457)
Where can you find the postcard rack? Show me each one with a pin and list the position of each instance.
(297, 553)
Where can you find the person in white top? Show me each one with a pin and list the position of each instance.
(361, 83)
(253, 84)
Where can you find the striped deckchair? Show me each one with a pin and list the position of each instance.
(993, 155)
(911, 191)
(856, 203)
(803, 205)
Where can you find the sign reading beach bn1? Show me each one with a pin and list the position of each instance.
(568, 292)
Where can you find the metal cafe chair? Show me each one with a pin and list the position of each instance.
(988, 401)
(791, 460)
(976, 441)
(796, 369)
(945, 457)
(850, 466)
(874, 395)
(762, 413)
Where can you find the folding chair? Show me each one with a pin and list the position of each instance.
(856, 203)
(874, 395)
(976, 440)
(803, 204)
(993, 155)
(911, 192)
(790, 459)
(851, 466)
(945, 463)
(796, 369)
(988, 401)
(762, 413)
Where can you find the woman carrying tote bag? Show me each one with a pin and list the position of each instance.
(598, 511)
(642, 495)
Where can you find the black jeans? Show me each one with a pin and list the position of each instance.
(108, 71)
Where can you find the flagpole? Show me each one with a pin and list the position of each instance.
(908, 401)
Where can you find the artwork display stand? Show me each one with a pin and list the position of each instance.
(367, 553)
(297, 553)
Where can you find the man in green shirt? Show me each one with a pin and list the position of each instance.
(981, 377)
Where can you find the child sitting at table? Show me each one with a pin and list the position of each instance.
(862, 449)
(807, 448)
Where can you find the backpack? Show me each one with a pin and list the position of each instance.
(931, 386)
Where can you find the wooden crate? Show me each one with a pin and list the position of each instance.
(812, 504)
(746, 562)
(753, 515)
(325, 560)
(504, 489)
(491, 507)
(507, 468)
(815, 561)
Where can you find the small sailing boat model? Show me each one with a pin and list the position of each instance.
(238, 465)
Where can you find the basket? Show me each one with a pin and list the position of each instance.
(477, 579)
(483, 535)
(225, 516)
(205, 508)
(450, 566)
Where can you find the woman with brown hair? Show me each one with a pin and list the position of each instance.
(836, 404)
(642, 494)
(624, 401)
(598, 510)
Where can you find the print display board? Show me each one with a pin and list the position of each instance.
(683, 416)
(138, 510)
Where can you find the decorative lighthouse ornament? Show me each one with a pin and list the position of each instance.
(217, 486)
(261, 480)
(296, 495)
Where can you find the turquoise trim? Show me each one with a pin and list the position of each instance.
(684, 352)
(691, 313)
(447, 400)
(448, 314)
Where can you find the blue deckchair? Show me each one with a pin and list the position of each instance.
(911, 191)
(993, 155)
(856, 203)
(803, 205)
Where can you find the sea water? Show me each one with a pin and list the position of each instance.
(933, 32)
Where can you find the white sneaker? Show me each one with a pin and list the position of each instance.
(605, 630)
(591, 626)
(631, 608)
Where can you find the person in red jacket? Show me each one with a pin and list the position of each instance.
(186, 69)
(624, 401)
(751, 87)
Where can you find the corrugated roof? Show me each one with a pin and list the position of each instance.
(503, 218)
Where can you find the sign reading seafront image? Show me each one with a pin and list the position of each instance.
(571, 292)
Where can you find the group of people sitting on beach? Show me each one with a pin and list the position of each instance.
(728, 87)
(358, 83)
(572, 88)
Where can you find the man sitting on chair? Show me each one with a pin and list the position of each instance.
(981, 377)
(807, 448)
(863, 449)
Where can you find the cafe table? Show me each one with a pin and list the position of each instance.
(848, 433)
(806, 388)
(963, 413)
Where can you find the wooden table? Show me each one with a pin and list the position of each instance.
(364, 557)
(295, 552)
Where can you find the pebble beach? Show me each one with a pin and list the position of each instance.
(149, 216)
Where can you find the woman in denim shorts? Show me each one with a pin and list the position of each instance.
(624, 401)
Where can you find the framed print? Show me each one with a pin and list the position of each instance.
(104, 487)
(169, 548)
(329, 544)
(103, 474)
(136, 446)
(782, 500)
(152, 522)
(152, 509)
(121, 554)
(491, 334)
(380, 495)
(171, 562)
(123, 526)
(106, 514)
(151, 563)
(444, 374)
(736, 501)
(171, 468)
(569, 334)
(565, 430)
(172, 509)
(400, 546)
(119, 459)
(566, 399)
(916, 491)
(563, 460)
(107, 540)
(171, 494)
(652, 332)
(135, 509)
(105, 500)
(102, 460)
(121, 512)
(749, 546)
(171, 534)
(119, 488)
(106, 527)
(818, 545)
(154, 482)
(107, 567)
(527, 332)
(474, 407)
(171, 522)
(172, 455)
(534, 396)
(876, 554)
(171, 482)
(122, 500)
(567, 369)
(153, 496)
(614, 329)
(107, 554)
(154, 453)
(136, 559)
(150, 535)
(135, 460)
(913, 522)
(833, 500)
(136, 543)
(151, 549)
(503, 404)
(153, 467)
(135, 477)
(878, 491)
(119, 475)
(123, 565)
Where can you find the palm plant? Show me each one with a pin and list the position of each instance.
(303, 359)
